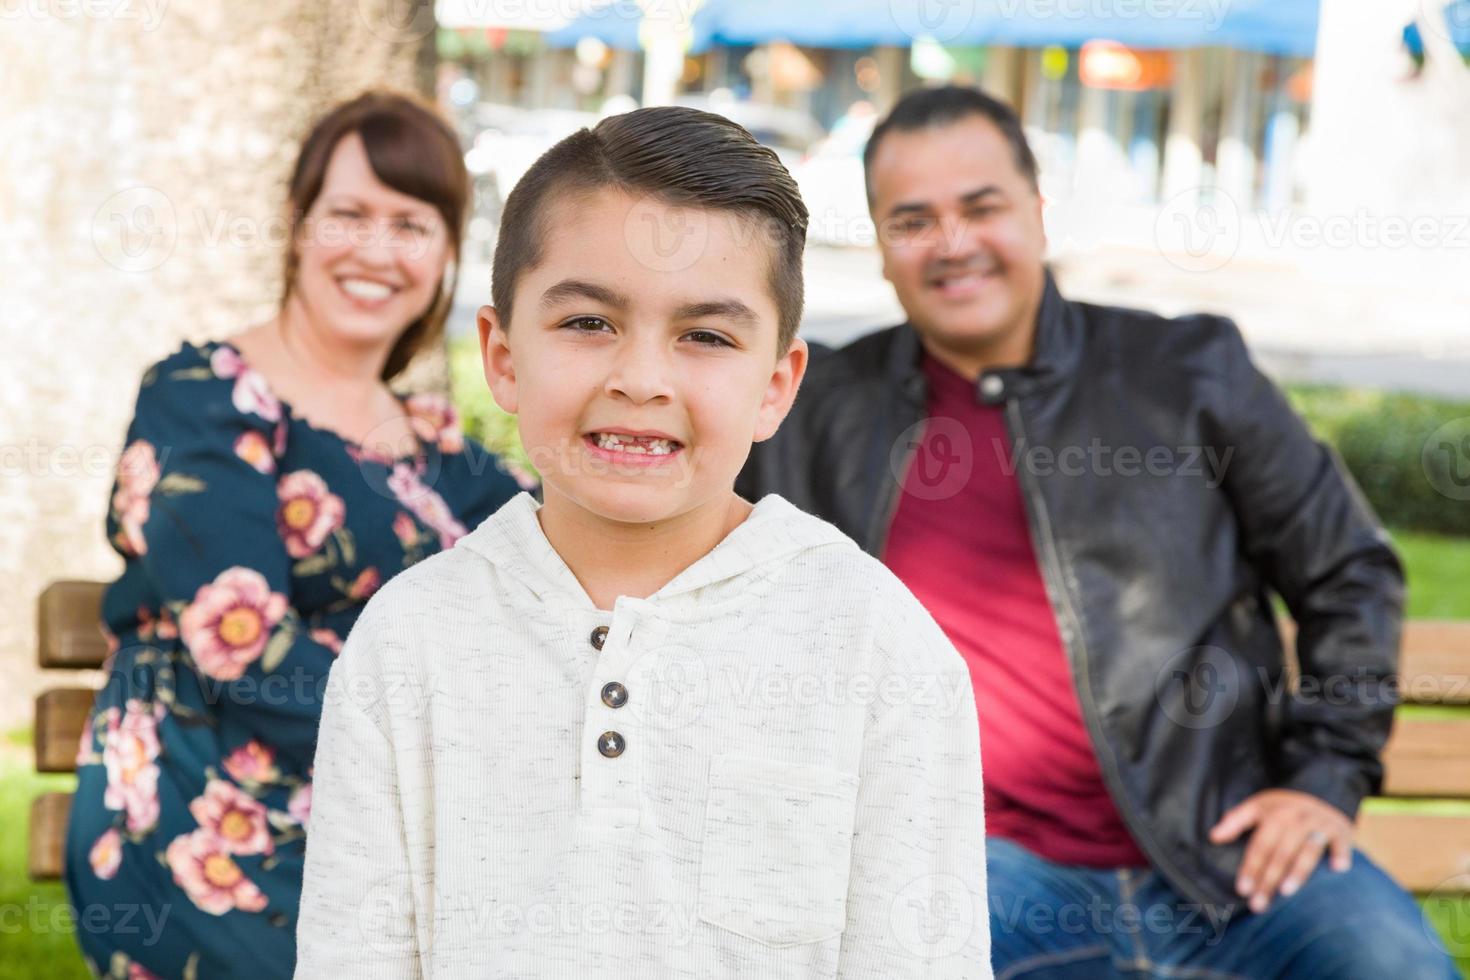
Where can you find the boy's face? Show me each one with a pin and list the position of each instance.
(642, 317)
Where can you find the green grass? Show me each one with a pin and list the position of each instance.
(1436, 568)
(37, 936)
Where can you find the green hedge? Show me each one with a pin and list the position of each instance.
(1381, 436)
(1410, 454)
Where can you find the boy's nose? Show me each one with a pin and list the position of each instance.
(641, 373)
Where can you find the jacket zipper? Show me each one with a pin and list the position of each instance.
(1040, 522)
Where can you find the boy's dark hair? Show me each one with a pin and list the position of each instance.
(945, 105)
(683, 156)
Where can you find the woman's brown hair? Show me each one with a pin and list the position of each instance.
(413, 150)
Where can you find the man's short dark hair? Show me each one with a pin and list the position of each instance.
(685, 157)
(949, 104)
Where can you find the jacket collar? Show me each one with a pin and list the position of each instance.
(1054, 356)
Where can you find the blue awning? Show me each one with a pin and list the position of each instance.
(1287, 27)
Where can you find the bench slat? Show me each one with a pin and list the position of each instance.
(49, 813)
(61, 714)
(1428, 757)
(1434, 667)
(1421, 852)
(68, 619)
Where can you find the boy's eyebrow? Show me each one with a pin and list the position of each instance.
(728, 309)
(582, 289)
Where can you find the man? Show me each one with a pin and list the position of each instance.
(1097, 506)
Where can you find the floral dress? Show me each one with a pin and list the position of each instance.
(252, 540)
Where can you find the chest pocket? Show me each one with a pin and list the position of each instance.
(777, 849)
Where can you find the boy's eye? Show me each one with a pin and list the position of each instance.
(709, 338)
(587, 324)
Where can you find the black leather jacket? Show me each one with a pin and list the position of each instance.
(1170, 490)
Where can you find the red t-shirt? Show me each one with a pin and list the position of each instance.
(960, 542)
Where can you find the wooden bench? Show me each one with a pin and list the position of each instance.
(1428, 756)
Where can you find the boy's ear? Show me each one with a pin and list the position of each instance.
(781, 390)
(500, 371)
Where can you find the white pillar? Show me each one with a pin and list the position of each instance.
(1182, 157)
(663, 60)
(1236, 157)
(1362, 124)
(999, 77)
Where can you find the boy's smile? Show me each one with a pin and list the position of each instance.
(639, 387)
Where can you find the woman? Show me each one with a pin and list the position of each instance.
(270, 483)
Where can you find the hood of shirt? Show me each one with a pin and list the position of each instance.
(770, 536)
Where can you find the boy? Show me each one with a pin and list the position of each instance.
(644, 728)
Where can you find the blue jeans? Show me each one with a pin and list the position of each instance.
(1051, 921)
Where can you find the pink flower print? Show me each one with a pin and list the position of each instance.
(405, 530)
(234, 816)
(161, 627)
(435, 420)
(425, 504)
(251, 392)
(128, 755)
(299, 805)
(254, 449)
(137, 475)
(137, 971)
(365, 584)
(204, 869)
(308, 512)
(106, 854)
(328, 639)
(252, 763)
(229, 621)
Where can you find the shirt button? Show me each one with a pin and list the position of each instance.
(599, 637)
(614, 695)
(992, 386)
(611, 744)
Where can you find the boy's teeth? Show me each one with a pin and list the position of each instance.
(364, 289)
(633, 444)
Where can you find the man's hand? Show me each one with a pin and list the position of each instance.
(1292, 830)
